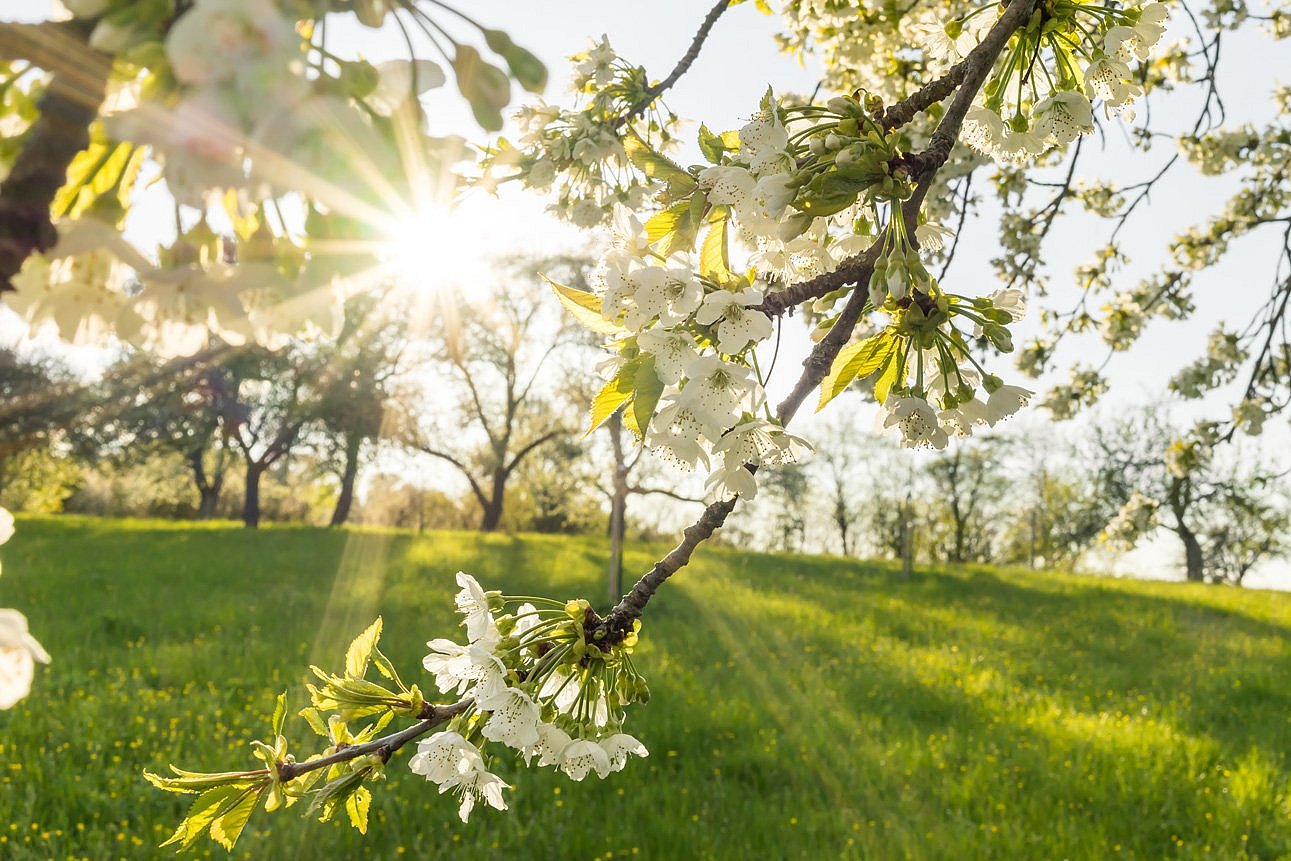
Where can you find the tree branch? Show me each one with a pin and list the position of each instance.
(461, 467)
(683, 65)
(432, 716)
(67, 108)
(924, 165)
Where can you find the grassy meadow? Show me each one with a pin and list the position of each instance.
(803, 707)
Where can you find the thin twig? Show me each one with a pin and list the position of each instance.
(384, 747)
(683, 65)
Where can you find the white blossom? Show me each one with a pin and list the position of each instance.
(932, 236)
(739, 325)
(19, 653)
(583, 756)
(513, 720)
(217, 39)
(673, 352)
(1064, 116)
(915, 419)
(473, 603)
(731, 478)
(550, 746)
(619, 746)
(1005, 401)
(454, 666)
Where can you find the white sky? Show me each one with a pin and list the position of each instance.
(722, 88)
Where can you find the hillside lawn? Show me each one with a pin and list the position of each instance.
(803, 707)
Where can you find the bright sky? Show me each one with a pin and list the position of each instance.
(722, 89)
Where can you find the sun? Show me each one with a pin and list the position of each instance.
(437, 250)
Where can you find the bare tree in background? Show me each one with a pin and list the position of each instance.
(496, 352)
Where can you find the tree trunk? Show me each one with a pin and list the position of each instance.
(208, 487)
(344, 501)
(618, 524)
(1194, 562)
(210, 500)
(251, 502)
(492, 517)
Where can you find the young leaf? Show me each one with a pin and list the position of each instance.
(227, 828)
(279, 713)
(675, 228)
(356, 806)
(648, 389)
(614, 394)
(385, 667)
(711, 145)
(357, 655)
(336, 790)
(856, 361)
(714, 257)
(657, 166)
(208, 807)
(893, 373)
(584, 307)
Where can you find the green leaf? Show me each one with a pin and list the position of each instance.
(714, 256)
(648, 390)
(226, 829)
(385, 667)
(83, 166)
(893, 374)
(658, 166)
(357, 655)
(356, 806)
(856, 361)
(526, 68)
(279, 713)
(336, 790)
(486, 87)
(194, 781)
(711, 145)
(585, 308)
(315, 721)
(675, 228)
(614, 394)
(209, 806)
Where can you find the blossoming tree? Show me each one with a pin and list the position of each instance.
(296, 169)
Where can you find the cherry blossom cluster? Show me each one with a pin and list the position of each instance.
(578, 153)
(800, 189)
(538, 682)
(538, 686)
(1068, 56)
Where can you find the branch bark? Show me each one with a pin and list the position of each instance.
(384, 747)
(683, 66)
(69, 105)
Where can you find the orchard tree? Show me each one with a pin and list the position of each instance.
(1227, 518)
(498, 352)
(838, 207)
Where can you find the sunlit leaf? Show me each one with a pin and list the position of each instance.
(585, 308)
(856, 361)
(357, 655)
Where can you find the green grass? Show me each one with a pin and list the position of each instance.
(802, 707)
